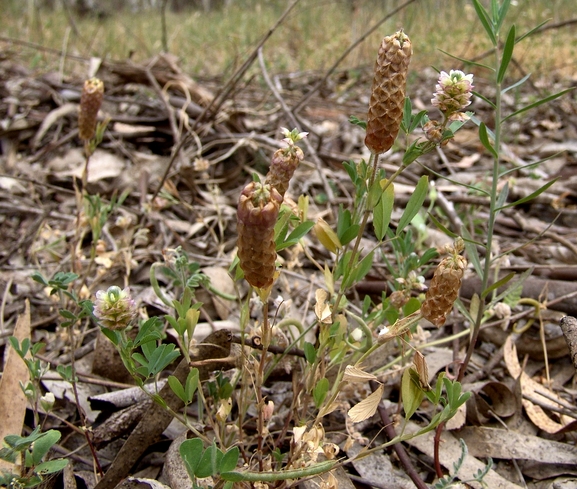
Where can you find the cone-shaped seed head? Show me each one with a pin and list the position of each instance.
(444, 288)
(285, 161)
(283, 165)
(388, 92)
(90, 102)
(257, 212)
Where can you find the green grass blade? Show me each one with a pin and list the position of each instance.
(538, 103)
(507, 54)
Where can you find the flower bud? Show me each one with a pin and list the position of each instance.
(453, 92)
(115, 309)
(285, 161)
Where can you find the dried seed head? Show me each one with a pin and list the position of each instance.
(90, 102)
(444, 287)
(285, 161)
(388, 92)
(114, 308)
(257, 212)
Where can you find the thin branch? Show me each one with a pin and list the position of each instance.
(398, 447)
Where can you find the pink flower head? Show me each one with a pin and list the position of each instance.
(453, 92)
(114, 308)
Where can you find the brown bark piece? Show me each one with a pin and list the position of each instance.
(569, 328)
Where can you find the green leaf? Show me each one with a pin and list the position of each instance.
(177, 387)
(192, 381)
(209, 462)
(320, 392)
(229, 460)
(300, 231)
(412, 394)
(415, 203)
(43, 445)
(502, 197)
(353, 119)
(412, 153)
(538, 103)
(444, 229)
(486, 21)
(485, 99)
(532, 31)
(280, 475)
(484, 138)
(363, 267)
(516, 84)
(407, 115)
(51, 466)
(501, 15)
(191, 452)
(514, 290)
(310, 352)
(472, 252)
(507, 54)
(418, 119)
(163, 356)
(530, 197)
(350, 234)
(383, 211)
(497, 284)
(38, 277)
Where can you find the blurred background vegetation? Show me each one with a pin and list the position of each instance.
(212, 37)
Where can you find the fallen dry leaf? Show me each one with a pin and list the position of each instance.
(12, 399)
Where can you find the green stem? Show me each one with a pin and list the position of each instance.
(493, 212)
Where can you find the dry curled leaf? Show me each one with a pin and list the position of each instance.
(367, 407)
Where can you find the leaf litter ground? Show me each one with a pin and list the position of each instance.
(522, 412)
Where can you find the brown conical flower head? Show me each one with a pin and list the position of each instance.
(444, 288)
(388, 92)
(90, 102)
(257, 212)
(285, 161)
